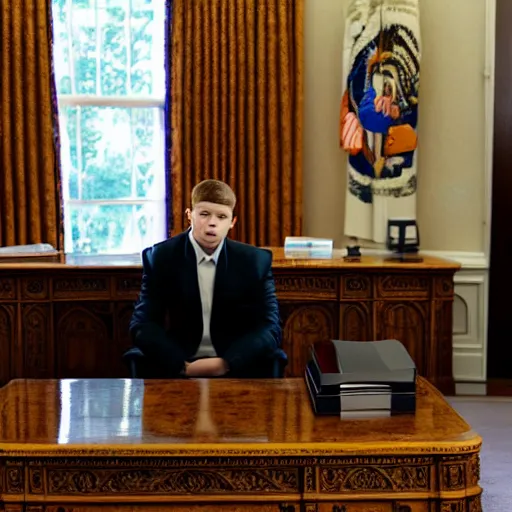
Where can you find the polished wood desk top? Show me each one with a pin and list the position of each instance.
(210, 417)
(280, 260)
(369, 260)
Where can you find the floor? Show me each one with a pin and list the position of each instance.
(491, 417)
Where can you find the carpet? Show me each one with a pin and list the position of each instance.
(491, 418)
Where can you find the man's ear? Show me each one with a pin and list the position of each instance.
(233, 222)
(188, 213)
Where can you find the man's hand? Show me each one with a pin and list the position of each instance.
(209, 367)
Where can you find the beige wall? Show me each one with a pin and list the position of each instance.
(451, 204)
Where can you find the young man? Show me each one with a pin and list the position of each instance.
(207, 305)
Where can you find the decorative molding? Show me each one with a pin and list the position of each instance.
(471, 388)
(155, 481)
(211, 452)
(373, 483)
(382, 478)
(293, 286)
(470, 344)
(477, 278)
(467, 259)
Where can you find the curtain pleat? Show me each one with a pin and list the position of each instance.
(30, 192)
(236, 110)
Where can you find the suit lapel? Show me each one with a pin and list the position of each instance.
(221, 274)
(191, 284)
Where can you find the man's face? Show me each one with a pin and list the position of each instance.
(210, 223)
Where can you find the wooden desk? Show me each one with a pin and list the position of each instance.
(219, 446)
(62, 320)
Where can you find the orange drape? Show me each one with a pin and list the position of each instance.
(30, 209)
(236, 110)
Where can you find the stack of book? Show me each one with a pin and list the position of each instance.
(361, 379)
(307, 247)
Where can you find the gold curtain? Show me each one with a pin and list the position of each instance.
(236, 110)
(29, 182)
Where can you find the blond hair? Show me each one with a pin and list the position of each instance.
(213, 191)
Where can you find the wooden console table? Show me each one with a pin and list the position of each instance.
(60, 320)
(218, 446)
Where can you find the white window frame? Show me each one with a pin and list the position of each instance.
(98, 100)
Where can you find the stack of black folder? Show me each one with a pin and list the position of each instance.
(356, 379)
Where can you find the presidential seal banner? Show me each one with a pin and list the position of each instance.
(379, 114)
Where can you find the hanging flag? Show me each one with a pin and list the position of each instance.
(379, 114)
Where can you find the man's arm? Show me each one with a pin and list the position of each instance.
(147, 325)
(265, 338)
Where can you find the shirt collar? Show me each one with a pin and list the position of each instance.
(200, 254)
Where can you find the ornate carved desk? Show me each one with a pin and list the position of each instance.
(70, 319)
(225, 446)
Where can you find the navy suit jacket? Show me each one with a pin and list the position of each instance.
(167, 323)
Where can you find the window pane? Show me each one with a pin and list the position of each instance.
(112, 157)
(115, 229)
(69, 158)
(112, 153)
(109, 47)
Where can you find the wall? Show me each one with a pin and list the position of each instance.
(453, 155)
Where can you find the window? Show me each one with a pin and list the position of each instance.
(110, 77)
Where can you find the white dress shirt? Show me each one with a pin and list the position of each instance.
(206, 268)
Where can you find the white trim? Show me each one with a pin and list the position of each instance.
(470, 388)
(468, 346)
(467, 260)
(464, 278)
(489, 73)
(92, 100)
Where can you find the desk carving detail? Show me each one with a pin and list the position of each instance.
(309, 479)
(82, 284)
(34, 288)
(36, 479)
(157, 481)
(7, 288)
(355, 286)
(453, 476)
(475, 505)
(308, 285)
(14, 479)
(474, 470)
(404, 285)
(349, 479)
(128, 285)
